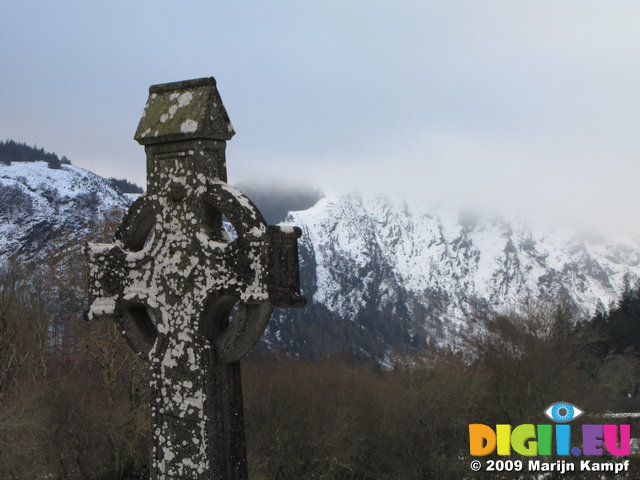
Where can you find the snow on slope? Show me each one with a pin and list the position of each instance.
(39, 206)
(448, 265)
(378, 274)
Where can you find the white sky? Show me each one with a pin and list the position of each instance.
(506, 104)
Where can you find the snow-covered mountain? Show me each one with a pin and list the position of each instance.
(43, 209)
(378, 274)
(385, 274)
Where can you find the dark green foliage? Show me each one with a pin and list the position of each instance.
(623, 323)
(55, 164)
(616, 345)
(618, 328)
(11, 151)
(125, 186)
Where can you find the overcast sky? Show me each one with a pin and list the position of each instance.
(497, 103)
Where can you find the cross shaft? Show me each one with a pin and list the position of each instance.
(172, 277)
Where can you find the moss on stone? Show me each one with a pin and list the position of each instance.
(164, 115)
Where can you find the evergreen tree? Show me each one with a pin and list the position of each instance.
(54, 163)
(619, 328)
(12, 151)
(125, 186)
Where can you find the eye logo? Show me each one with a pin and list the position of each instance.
(563, 412)
(532, 440)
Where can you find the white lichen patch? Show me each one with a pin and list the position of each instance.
(258, 231)
(96, 249)
(185, 99)
(206, 242)
(188, 126)
(102, 306)
(168, 454)
(240, 199)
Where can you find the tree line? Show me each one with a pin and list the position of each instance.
(125, 186)
(12, 151)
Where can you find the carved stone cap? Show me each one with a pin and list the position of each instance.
(182, 111)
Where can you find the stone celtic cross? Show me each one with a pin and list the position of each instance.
(172, 279)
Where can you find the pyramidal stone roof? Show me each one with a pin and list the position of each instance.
(184, 110)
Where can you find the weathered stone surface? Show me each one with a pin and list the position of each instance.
(172, 277)
(184, 110)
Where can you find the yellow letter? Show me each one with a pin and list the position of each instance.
(503, 433)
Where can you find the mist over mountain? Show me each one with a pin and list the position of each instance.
(276, 202)
(379, 275)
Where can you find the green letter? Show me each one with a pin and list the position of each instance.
(523, 440)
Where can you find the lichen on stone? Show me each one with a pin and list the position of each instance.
(173, 261)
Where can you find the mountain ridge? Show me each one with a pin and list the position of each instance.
(380, 275)
(433, 271)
